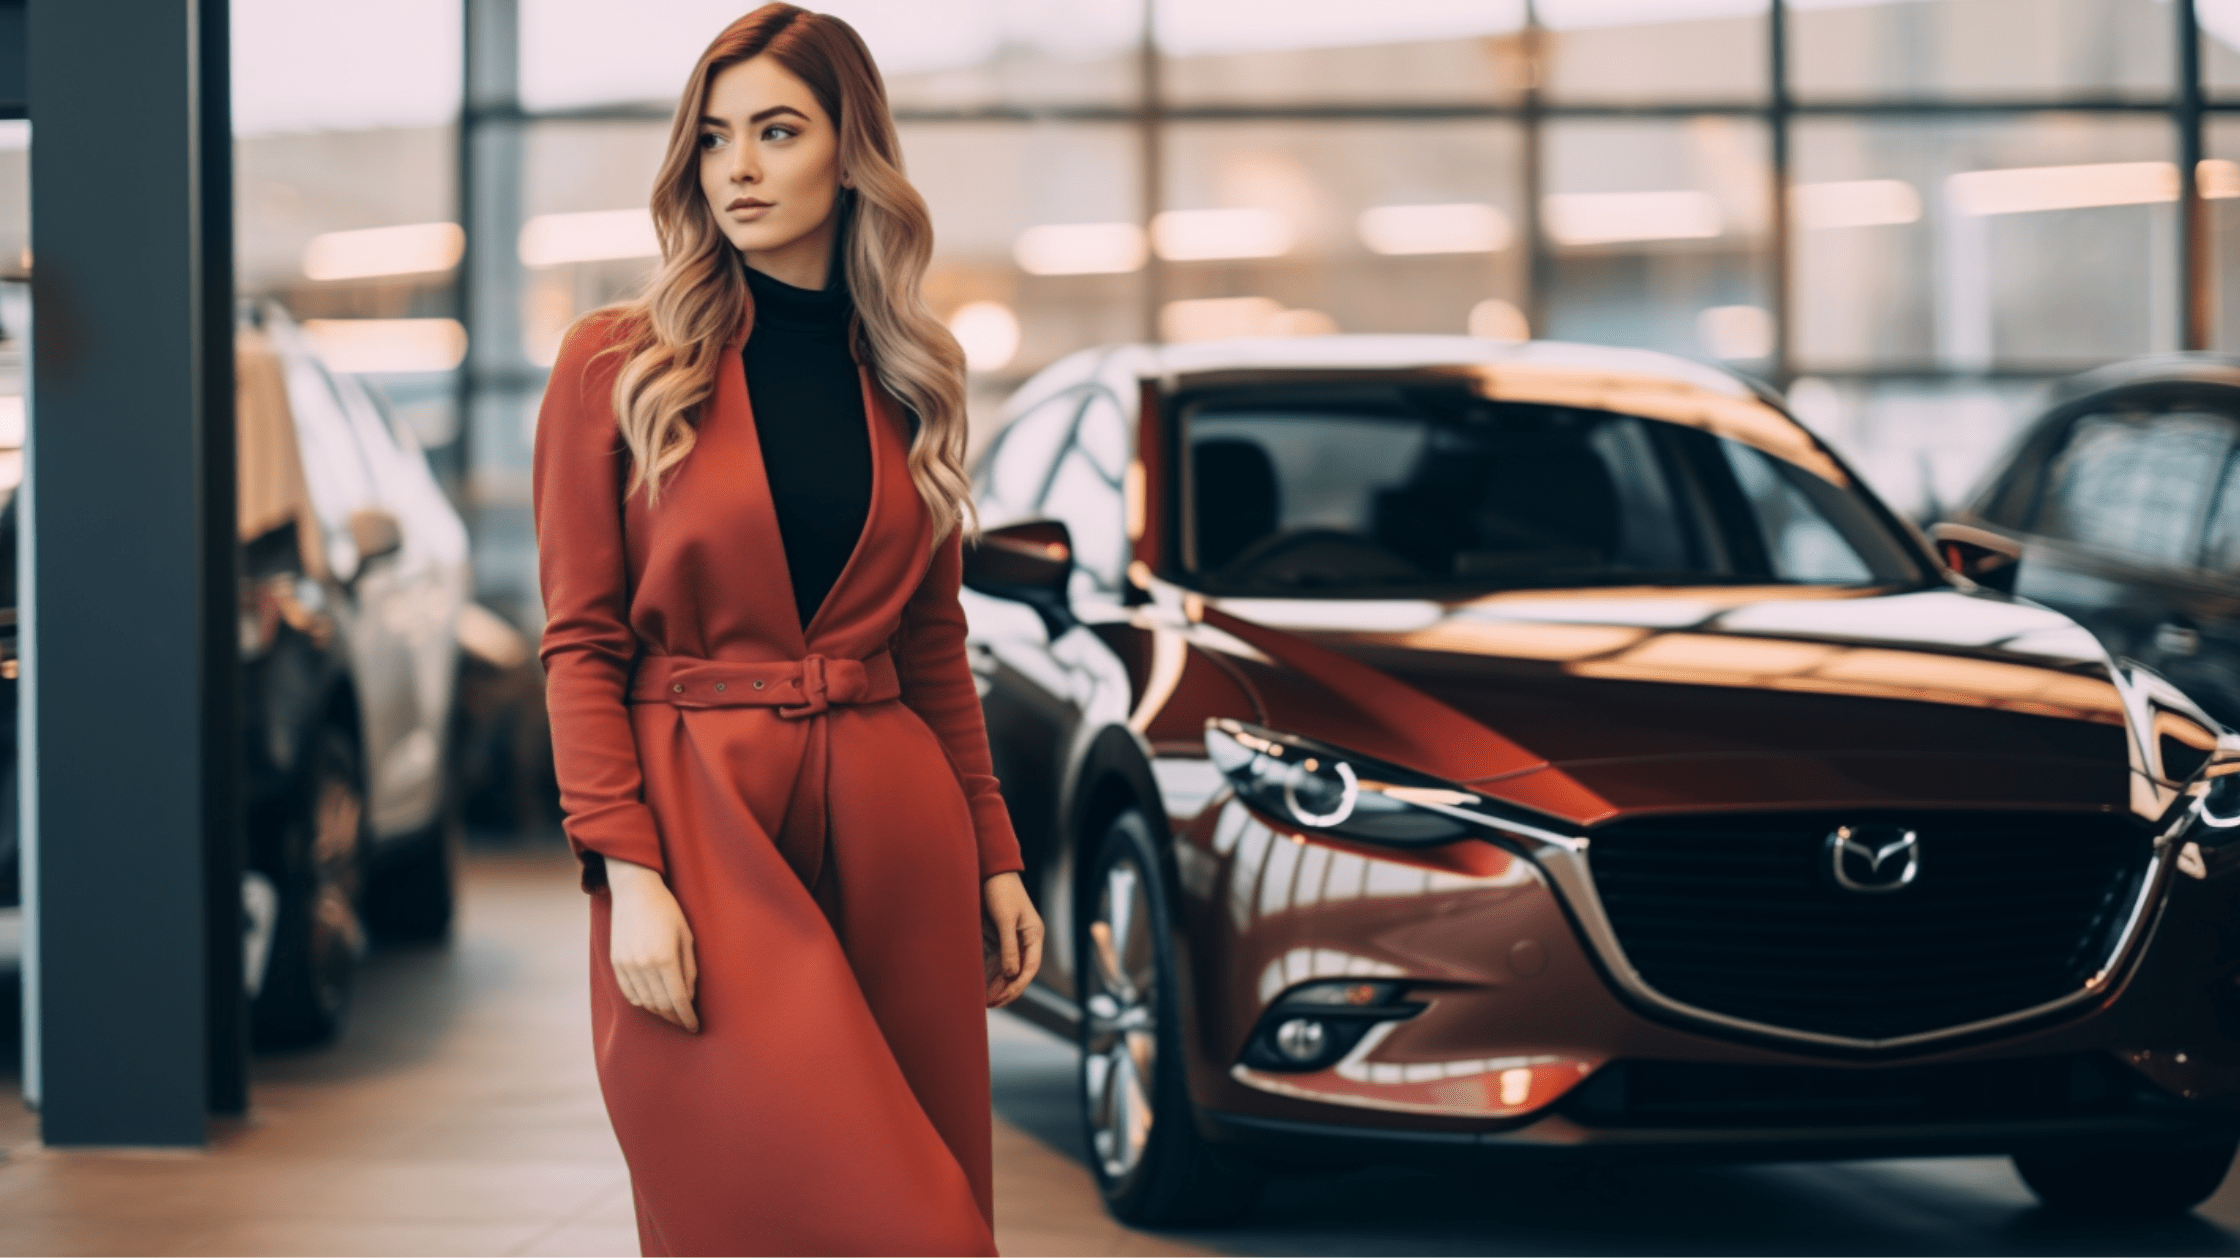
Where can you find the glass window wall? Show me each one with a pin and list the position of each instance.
(1914, 212)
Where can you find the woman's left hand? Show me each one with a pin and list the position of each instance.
(1010, 937)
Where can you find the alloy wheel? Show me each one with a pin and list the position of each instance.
(1121, 1016)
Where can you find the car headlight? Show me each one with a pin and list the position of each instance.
(2219, 805)
(1328, 789)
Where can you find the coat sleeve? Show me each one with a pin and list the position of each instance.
(589, 648)
(937, 685)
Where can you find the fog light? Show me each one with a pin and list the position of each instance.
(1302, 1040)
(1315, 1025)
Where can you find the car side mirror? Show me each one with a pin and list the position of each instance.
(375, 533)
(1979, 555)
(1031, 564)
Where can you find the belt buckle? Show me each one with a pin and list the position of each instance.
(815, 694)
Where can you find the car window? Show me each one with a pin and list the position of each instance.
(1018, 469)
(1089, 503)
(333, 466)
(1372, 489)
(2136, 483)
(1102, 433)
(1796, 535)
(2220, 547)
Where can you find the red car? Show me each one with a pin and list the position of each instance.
(1432, 748)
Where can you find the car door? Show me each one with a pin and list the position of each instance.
(389, 604)
(2117, 525)
(2204, 640)
(415, 593)
(1045, 694)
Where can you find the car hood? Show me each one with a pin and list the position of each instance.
(1590, 704)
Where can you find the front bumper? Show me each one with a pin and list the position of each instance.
(1296, 1141)
(1511, 992)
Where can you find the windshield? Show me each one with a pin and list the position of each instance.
(1395, 490)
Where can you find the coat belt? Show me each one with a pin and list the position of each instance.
(800, 690)
(796, 689)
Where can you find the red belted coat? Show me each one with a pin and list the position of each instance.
(821, 802)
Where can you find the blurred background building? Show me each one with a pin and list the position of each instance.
(1909, 213)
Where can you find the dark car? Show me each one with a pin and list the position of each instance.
(2120, 506)
(354, 572)
(1431, 748)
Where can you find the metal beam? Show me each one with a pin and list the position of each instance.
(1405, 111)
(121, 421)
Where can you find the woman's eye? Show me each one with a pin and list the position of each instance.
(778, 132)
(710, 140)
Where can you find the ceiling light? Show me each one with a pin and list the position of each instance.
(989, 333)
(1203, 235)
(1610, 218)
(1079, 249)
(2024, 190)
(388, 345)
(549, 240)
(1457, 228)
(407, 249)
(1855, 203)
(1736, 332)
(1497, 320)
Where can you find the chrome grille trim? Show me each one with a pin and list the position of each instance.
(1563, 859)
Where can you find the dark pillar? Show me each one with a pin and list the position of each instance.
(1151, 151)
(224, 837)
(1539, 266)
(2196, 280)
(490, 277)
(1779, 112)
(121, 425)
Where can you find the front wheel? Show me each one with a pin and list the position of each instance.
(2127, 1182)
(316, 934)
(1151, 1164)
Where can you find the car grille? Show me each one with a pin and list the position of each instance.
(1737, 916)
(1651, 1094)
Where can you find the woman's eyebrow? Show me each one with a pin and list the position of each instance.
(776, 110)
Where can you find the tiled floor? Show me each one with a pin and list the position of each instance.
(459, 1116)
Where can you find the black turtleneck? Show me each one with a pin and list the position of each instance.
(808, 413)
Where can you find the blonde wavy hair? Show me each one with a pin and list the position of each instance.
(677, 333)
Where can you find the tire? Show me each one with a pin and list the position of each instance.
(2122, 1182)
(317, 935)
(410, 897)
(1151, 1164)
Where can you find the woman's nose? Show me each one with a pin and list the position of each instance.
(744, 169)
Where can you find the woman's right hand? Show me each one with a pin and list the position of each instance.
(651, 945)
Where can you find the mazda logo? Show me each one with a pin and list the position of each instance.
(1874, 859)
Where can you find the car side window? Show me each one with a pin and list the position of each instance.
(2220, 548)
(1019, 468)
(2136, 484)
(1799, 541)
(1085, 492)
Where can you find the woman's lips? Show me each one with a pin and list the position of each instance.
(747, 204)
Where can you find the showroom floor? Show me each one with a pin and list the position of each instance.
(459, 1117)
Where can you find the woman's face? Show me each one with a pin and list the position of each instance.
(770, 169)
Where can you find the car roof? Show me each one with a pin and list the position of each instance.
(1115, 364)
(2157, 369)
(1639, 382)
(1367, 351)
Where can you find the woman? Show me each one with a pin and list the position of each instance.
(750, 504)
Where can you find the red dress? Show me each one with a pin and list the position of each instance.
(821, 802)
